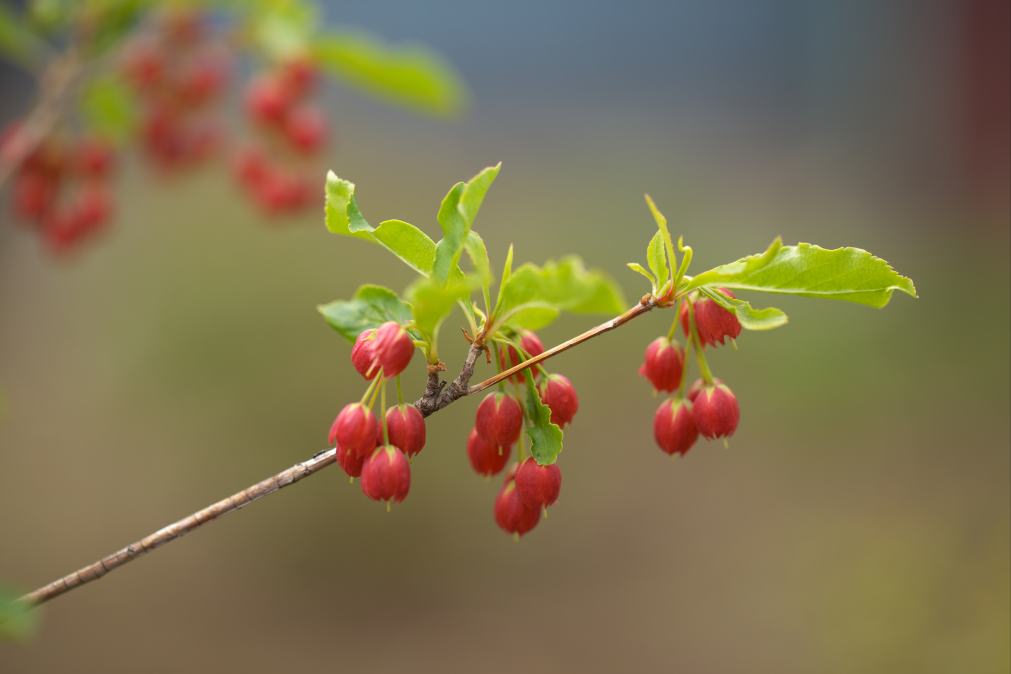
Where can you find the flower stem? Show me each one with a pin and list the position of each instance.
(700, 356)
(382, 412)
(674, 324)
(369, 390)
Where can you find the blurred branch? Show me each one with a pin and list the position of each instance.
(438, 394)
(55, 86)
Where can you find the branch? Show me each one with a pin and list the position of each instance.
(438, 394)
(177, 529)
(55, 87)
(647, 303)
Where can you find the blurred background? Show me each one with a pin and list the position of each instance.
(858, 522)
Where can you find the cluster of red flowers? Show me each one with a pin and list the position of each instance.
(60, 188)
(528, 487)
(292, 129)
(177, 71)
(378, 452)
(709, 408)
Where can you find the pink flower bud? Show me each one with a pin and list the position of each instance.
(394, 348)
(143, 63)
(251, 167)
(363, 354)
(512, 514)
(93, 157)
(663, 364)
(202, 81)
(499, 419)
(529, 342)
(538, 485)
(486, 458)
(386, 475)
(92, 208)
(559, 394)
(697, 386)
(299, 74)
(716, 412)
(674, 426)
(351, 462)
(354, 429)
(266, 100)
(34, 194)
(305, 128)
(714, 323)
(406, 428)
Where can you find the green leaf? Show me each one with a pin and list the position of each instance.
(570, 286)
(370, 307)
(109, 108)
(639, 269)
(49, 14)
(403, 239)
(18, 41)
(646, 274)
(529, 316)
(17, 620)
(432, 301)
(283, 28)
(478, 254)
(456, 217)
(656, 258)
(749, 317)
(408, 243)
(342, 213)
(545, 437)
(111, 21)
(520, 287)
(850, 274)
(409, 75)
(565, 285)
(507, 272)
(686, 260)
(661, 225)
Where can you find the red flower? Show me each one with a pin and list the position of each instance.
(713, 323)
(486, 457)
(499, 419)
(664, 364)
(306, 128)
(354, 429)
(538, 485)
(351, 462)
(559, 394)
(386, 475)
(406, 428)
(529, 342)
(512, 514)
(393, 347)
(716, 412)
(363, 354)
(674, 426)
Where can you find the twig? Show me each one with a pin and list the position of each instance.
(438, 394)
(647, 304)
(54, 88)
(173, 531)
